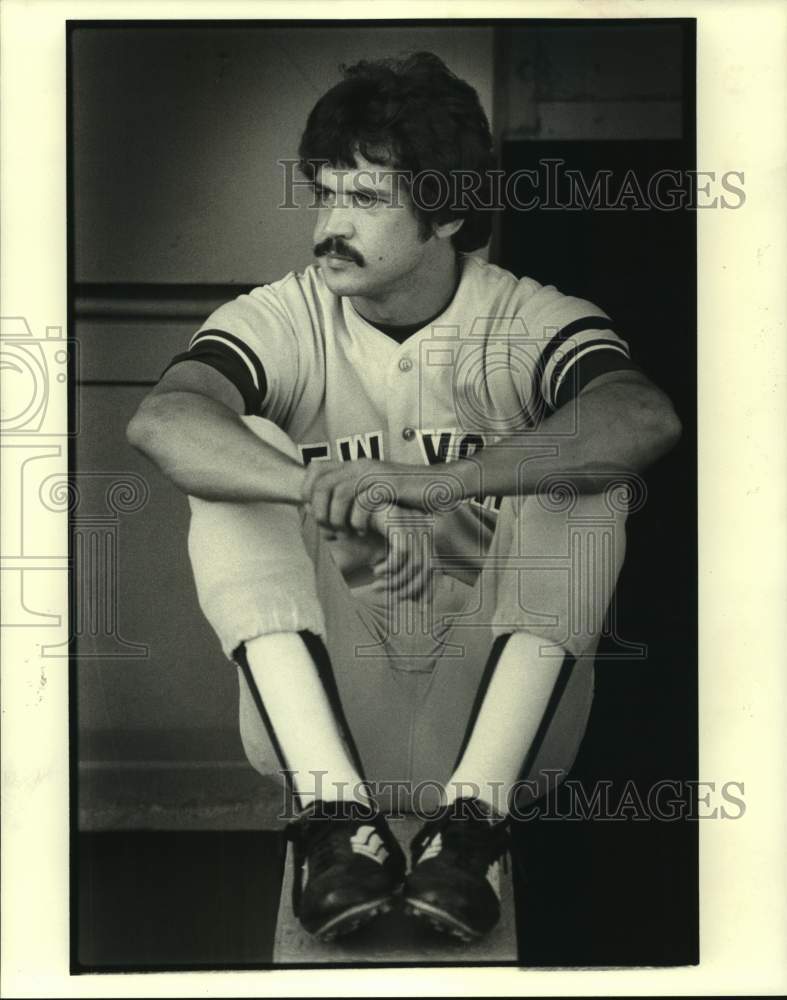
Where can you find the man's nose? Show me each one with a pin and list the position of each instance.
(338, 222)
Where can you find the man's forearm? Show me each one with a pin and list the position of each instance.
(207, 451)
(617, 428)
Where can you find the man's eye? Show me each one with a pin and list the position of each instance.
(363, 200)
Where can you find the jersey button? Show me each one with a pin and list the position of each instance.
(408, 433)
(405, 365)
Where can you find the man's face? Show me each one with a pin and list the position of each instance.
(367, 236)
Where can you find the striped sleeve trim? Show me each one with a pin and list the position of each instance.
(547, 363)
(570, 330)
(586, 362)
(236, 345)
(233, 359)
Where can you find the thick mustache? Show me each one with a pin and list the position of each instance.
(339, 248)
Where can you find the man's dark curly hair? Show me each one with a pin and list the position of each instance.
(416, 116)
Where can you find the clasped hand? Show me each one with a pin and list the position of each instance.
(356, 498)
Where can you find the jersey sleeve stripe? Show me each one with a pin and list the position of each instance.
(570, 329)
(580, 351)
(564, 334)
(250, 360)
(220, 351)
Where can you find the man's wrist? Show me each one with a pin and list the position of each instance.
(468, 472)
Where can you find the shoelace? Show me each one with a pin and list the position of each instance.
(467, 837)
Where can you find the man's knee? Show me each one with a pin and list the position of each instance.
(252, 571)
(560, 560)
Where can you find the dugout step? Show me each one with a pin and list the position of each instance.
(393, 937)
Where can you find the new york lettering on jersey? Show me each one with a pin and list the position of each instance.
(436, 447)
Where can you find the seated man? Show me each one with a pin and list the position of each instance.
(392, 615)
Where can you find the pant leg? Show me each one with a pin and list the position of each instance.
(553, 566)
(378, 673)
(551, 570)
(253, 576)
(264, 568)
(408, 698)
(383, 658)
(251, 569)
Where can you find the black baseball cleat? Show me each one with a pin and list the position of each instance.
(453, 884)
(348, 866)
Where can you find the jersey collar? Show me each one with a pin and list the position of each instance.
(443, 317)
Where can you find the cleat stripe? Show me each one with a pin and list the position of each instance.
(434, 848)
(369, 844)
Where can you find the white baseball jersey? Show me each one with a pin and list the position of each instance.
(503, 354)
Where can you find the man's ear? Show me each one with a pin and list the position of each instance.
(445, 230)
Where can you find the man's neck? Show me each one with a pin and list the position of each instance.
(423, 298)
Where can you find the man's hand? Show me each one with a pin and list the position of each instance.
(407, 569)
(361, 498)
(347, 496)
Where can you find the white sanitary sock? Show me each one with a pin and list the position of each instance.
(510, 714)
(300, 713)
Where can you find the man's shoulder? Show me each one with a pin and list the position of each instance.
(297, 301)
(510, 295)
(499, 279)
(296, 286)
(293, 305)
(498, 286)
